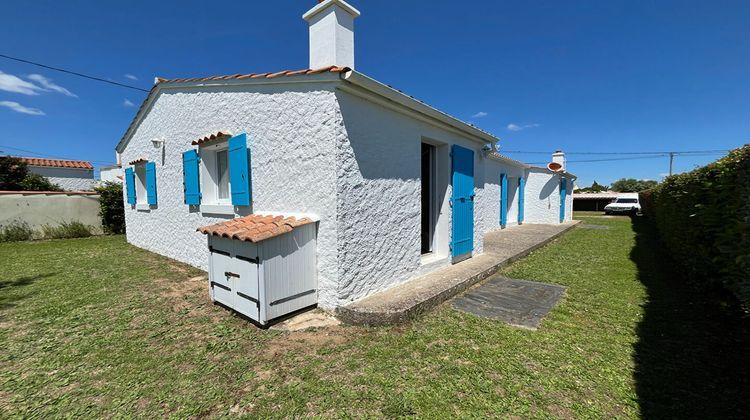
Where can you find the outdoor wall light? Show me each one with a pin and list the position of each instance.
(157, 142)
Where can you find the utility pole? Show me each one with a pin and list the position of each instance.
(671, 160)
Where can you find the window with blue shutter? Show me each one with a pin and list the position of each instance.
(130, 185)
(191, 177)
(151, 183)
(503, 200)
(521, 188)
(239, 170)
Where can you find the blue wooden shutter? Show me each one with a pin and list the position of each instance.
(503, 200)
(130, 184)
(239, 170)
(521, 188)
(563, 195)
(151, 183)
(190, 176)
(462, 201)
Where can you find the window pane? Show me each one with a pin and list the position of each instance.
(222, 169)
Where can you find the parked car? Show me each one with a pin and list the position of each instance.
(627, 203)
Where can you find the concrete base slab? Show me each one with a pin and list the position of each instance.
(305, 320)
(399, 303)
(519, 303)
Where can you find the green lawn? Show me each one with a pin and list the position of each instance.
(94, 327)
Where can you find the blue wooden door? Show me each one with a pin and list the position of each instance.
(503, 200)
(521, 188)
(563, 196)
(462, 202)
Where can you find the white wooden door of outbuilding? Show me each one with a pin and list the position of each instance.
(234, 276)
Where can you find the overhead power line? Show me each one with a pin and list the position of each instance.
(50, 156)
(75, 73)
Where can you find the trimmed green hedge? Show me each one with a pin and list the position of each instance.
(703, 217)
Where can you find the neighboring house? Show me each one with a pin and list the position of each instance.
(112, 173)
(396, 187)
(70, 175)
(593, 201)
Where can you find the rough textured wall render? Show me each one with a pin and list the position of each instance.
(291, 138)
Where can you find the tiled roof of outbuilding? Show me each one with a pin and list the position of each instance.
(255, 228)
(57, 163)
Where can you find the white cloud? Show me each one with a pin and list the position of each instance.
(49, 86)
(130, 76)
(127, 103)
(11, 83)
(480, 114)
(15, 106)
(520, 127)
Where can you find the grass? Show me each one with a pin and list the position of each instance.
(94, 327)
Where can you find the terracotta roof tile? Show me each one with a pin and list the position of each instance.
(255, 228)
(57, 163)
(138, 161)
(219, 135)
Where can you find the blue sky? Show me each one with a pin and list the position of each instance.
(582, 76)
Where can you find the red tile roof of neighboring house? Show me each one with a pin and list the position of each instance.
(137, 161)
(255, 228)
(57, 163)
(211, 137)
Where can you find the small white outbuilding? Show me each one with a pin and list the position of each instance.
(395, 187)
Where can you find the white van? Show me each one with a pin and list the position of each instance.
(626, 203)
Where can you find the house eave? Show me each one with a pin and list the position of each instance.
(395, 96)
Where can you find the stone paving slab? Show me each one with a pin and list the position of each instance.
(399, 303)
(520, 303)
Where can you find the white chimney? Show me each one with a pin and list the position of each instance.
(559, 157)
(331, 34)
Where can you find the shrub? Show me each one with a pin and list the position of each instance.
(36, 182)
(66, 230)
(16, 231)
(703, 217)
(111, 207)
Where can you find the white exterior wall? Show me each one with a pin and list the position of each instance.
(378, 196)
(111, 175)
(542, 199)
(69, 179)
(490, 201)
(291, 132)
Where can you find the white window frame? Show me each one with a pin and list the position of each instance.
(210, 201)
(141, 193)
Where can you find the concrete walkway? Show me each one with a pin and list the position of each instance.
(415, 296)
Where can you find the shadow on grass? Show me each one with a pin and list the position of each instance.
(693, 354)
(9, 297)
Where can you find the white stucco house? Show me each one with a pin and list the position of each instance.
(70, 175)
(111, 173)
(395, 187)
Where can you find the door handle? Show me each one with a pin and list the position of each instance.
(230, 274)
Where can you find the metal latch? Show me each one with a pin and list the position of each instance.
(230, 274)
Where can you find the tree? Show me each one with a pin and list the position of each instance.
(15, 176)
(594, 188)
(633, 185)
(12, 173)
